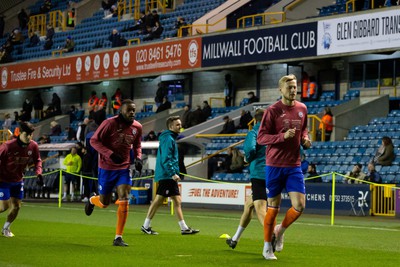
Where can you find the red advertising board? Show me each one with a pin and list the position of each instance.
(163, 57)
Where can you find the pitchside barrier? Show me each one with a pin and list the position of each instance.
(365, 198)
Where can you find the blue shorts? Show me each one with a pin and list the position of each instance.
(289, 178)
(108, 179)
(8, 190)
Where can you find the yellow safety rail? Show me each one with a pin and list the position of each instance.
(57, 19)
(136, 9)
(313, 127)
(37, 23)
(352, 2)
(265, 18)
(383, 200)
(217, 152)
(206, 26)
(134, 40)
(55, 52)
(155, 4)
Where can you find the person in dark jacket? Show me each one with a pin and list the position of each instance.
(165, 105)
(56, 104)
(206, 110)
(38, 105)
(244, 120)
(229, 126)
(27, 108)
(116, 39)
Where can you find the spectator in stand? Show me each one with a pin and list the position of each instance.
(139, 25)
(165, 105)
(229, 92)
(312, 173)
(385, 154)
(5, 52)
(151, 136)
(16, 37)
(48, 41)
(93, 101)
(38, 104)
(252, 98)
(156, 17)
(312, 90)
(162, 91)
(69, 45)
(27, 108)
(245, 119)
(207, 112)
(7, 126)
(180, 26)
(71, 133)
(373, 176)
(113, 12)
(72, 113)
(116, 39)
(103, 101)
(80, 133)
(197, 116)
(116, 100)
(16, 118)
(236, 160)
(45, 8)
(55, 129)
(73, 163)
(23, 19)
(56, 104)
(34, 39)
(229, 126)
(106, 5)
(154, 32)
(327, 123)
(186, 117)
(356, 173)
(100, 115)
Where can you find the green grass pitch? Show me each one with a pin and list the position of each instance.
(46, 235)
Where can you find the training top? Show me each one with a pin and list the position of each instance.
(167, 163)
(277, 119)
(15, 156)
(114, 135)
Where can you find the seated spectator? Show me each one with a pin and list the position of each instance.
(154, 33)
(16, 118)
(385, 154)
(164, 105)
(5, 52)
(252, 98)
(48, 41)
(72, 113)
(69, 45)
(55, 129)
(71, 133)
(116, 39)
(207, 112)
(151, 136)
(236, 160)
(106, 5)
(373, 176)
(16, 37)
(312, 173)
(34, 39)
(24, 116)
(113, 12)
(229, 126)
(197, 116)
(178, 25)
(356, 173)
(245, 119)
(139, 25)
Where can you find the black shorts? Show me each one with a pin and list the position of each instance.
(168, 188)
(259, 189)
(71, 178)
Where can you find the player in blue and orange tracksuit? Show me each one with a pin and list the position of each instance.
(15, 155)
(113, 140)
(283, 129)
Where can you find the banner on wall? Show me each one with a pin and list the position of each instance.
(372, 31)
(285, 42)
(214, 193)
(123, 63)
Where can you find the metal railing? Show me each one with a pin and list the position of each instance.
(37, 23)
(57, 19)
(198, 31)
(383, 200)
(265, 18)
